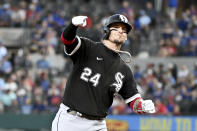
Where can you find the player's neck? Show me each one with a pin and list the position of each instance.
(112, 45)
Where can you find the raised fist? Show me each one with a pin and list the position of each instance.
(79, 21)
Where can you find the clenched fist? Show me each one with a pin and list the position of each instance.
(79, 21)
(148, 106)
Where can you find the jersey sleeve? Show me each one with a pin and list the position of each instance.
(72, 48)
(81, 51)
(76, 47)
(129, 89)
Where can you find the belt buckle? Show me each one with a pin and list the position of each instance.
(76, 113)
(73, 112)
(79, 114)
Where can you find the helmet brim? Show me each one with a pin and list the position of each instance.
(128, 26)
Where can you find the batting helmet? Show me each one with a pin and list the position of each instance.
(117, 18)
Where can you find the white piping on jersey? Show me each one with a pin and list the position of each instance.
(132, 98)
(119, 51)
(130, 58)
(76, 48)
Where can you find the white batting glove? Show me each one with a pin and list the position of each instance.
(148, 106)
(79, 21)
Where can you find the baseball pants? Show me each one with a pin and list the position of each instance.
(64, 121)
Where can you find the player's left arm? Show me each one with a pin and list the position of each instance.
(132, 97)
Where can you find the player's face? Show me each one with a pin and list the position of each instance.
(118, 33)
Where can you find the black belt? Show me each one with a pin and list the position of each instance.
(89, 117)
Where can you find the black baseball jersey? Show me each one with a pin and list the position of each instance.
(97, 74)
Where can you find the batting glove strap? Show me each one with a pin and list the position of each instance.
(79, 21)
(136, 105)
(141, 106)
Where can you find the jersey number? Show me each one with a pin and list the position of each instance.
(86, 75)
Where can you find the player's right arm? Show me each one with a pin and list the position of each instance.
(68, 36)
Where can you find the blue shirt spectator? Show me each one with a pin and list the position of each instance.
(6, 67)
(172, 3)
(27, 107)
(38, 106)
(43, 63)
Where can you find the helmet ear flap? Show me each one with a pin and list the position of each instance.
(106, 33)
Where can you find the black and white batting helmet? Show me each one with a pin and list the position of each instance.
(117, 18)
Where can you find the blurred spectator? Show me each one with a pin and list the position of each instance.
(158, 5)
(55, 101)
(18, 16)
(53, 93)
(150, 70)
(183, 22)
(167, 44)
(144, 21)
(151, 12)
(172, 7)
(161, 109)
(176, 110)
(160, 71)
(137, 73)
(3, 51)
(158, 92)
(21, 96)
(43, 63)
(5, 66)
(27, 83)
(32, 14)
(27, 107)
(39, 106)
(15, 107)
(118, 106)
(44, 82)
(22, 59)
(37, 93)
(27, 62)
(171, 105)
(7, 98)
(51, 40)
(183, 72)
(11, 84)
(5, 15)
(172, 68)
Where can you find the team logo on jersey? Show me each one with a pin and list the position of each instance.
(123, 18)
(118, 84)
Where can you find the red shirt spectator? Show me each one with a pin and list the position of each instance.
(160, 107)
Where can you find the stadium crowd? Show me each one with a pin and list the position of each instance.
(172, 89)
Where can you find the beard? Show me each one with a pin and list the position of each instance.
(118, 42)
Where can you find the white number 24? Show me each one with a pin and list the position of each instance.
(86, 75)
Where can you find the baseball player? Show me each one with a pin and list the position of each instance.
(98, 73)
